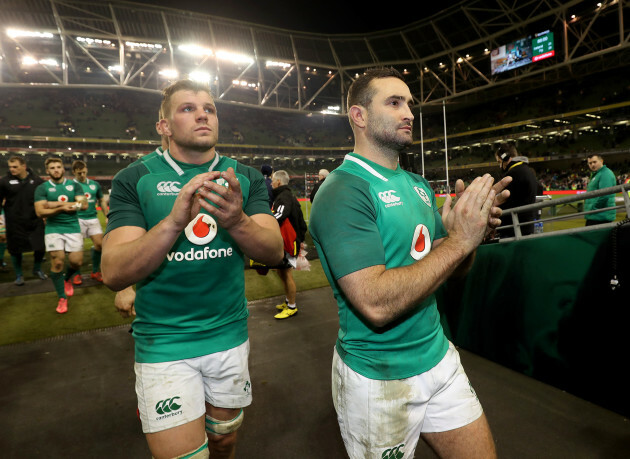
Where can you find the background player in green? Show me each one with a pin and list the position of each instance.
(385, 249)
(179, 226)
(58, 200)
(88, 219)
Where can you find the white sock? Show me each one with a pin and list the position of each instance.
(292, 306)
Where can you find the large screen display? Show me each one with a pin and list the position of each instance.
(522, 52)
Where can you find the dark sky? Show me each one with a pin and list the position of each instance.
(324, 16)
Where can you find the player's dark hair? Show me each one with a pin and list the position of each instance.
(78, 164)
(361, 92)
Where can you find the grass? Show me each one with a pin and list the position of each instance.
(33, 317)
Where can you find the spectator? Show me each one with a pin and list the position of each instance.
(323, 173)
(24, 229)
(522, 188)
(601, 177)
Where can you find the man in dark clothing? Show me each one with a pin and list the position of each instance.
(522, 188)
(323, 173)
(25, 230)
(266, 171)
(288, 213)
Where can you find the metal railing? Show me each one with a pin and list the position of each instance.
(553, 203)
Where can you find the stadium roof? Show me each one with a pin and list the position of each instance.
(444, 57)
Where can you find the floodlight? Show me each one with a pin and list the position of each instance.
(15, 33)
(234, 57)
(201, 77)
(195, 50)
(170, 74)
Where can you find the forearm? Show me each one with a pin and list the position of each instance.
(384, 295)
(126, 262)
(45, 209)
(259, 242)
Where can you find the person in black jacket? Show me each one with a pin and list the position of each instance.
(323, 173)
(24, 229)
(522, 188)
(288, 213)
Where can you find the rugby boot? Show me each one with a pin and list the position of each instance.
(68, 288)
(62, 306)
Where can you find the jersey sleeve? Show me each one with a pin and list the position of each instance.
(258, 198)
(124, 204)
(40, 193)
(343, 224)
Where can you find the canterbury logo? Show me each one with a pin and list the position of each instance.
(169, 187)
(393, 453)
(388, 196)
(167, 406)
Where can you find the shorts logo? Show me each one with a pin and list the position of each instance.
(201, 230)
(421, 242)
(167, 406)
(168, 188)
(394, 453)
(423, 195)
(62, 198)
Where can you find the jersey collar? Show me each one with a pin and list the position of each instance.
(171, 162)
(376, 170)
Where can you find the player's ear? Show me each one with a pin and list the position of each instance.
(358, 115)
(163, 127)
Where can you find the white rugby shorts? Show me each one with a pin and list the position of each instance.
(68, 242)
(174, 393)
(384, 418)
(90, 227)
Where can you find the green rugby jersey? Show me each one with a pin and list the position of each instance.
(65, 191)
(367, 215)
(93, 193)
(194, 303)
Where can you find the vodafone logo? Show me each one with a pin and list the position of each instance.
(201, 230)
(87, 195)
(421, 242)
(168, 188)
(62, 198)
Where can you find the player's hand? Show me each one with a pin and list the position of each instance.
(124, 302)
(228, 200)
(187, 205)
(467, 220)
